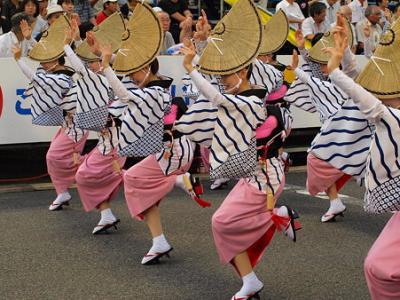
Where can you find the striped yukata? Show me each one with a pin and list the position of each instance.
(339, 115)
(147, 182)
(142, 126)
(45, 93)
(57, 90)
(93, 95)
(382, 181)
(233, 224)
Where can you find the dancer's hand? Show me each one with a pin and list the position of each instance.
(295, 60)
(337, 52)
(106, 53)
(190, 52)
(75, 29)
(93, 43)
(203, 28)
(300, 41)
(16, 50)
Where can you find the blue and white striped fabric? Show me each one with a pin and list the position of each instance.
(299, 95)
(45, 93)
(344, 141)
(181, 154)
(143, 127)
(269, 179)
(383, 166)
(198, 122)
(117, 108)
(266, 76)
(326, 97)
(234, 136)
(287, 119)
(93, 97)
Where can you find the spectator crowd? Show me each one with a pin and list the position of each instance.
(23, 22)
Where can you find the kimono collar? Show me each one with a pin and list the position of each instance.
(255, 91)
(163, 82)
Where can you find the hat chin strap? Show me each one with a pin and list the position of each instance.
(140, 84)
(236, 87)
(53, 67)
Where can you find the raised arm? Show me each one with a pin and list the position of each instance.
(371, 107)
(28, 72)
(201, 83)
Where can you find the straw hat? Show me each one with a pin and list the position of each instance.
(234, 42)
(275, 33)
(108, 32)
(381, 76)
(316, 54)
(51, 44)
(141, 42)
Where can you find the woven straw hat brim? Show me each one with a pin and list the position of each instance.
(316, 54)
(381, 75)
(234, 42)
(275, 33)
(51, 44)
(141, 42)
(108, 32)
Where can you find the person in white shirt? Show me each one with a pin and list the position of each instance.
(316, 23)
(332, 7)
(358, 8)
(345, 12)
(370, 24)
(292, 11)
(20, 34)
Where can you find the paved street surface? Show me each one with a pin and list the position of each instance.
(52, 255)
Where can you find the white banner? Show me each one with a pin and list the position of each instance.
(15, 119)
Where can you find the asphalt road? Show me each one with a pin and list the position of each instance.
(52, 255)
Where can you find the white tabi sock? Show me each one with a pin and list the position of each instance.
(107, 216)
(336, 205)
(160, 244)
(251, 285)
(63, 197)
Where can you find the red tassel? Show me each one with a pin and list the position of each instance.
(201, 202)
(297, 225)
(198, 189)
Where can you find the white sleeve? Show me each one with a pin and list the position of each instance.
(116, 85)
(28, 72)
(349, 64)
(206, 88)
(371, 107)
(303, 76)
(75, 60)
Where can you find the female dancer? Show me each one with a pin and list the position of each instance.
(147, 182)
(378, 97)
(100, 174)
(49, 92)
(244, 224)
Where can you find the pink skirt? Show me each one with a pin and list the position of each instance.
(382, 265)
(205, 157)
(242, 223)
(321, 175)
(97, 178)
(63, 159)
(145, 185)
